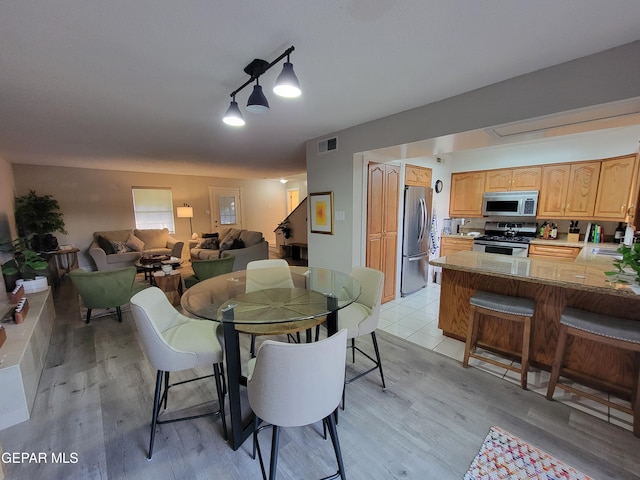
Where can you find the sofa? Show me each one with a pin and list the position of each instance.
(244, 245)
(122, 248)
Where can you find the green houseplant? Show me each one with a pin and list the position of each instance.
(37, 218)
(25, 264)
(628, 265)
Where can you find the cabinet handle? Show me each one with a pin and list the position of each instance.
(622, 209)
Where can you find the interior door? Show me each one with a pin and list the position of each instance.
(226, 208)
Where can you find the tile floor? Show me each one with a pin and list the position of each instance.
(415, 318)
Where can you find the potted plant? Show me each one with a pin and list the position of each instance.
(628, 266)
(25, 264)
(37, 218)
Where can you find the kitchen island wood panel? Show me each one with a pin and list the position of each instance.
(554, 286)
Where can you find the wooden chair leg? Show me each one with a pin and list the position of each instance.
(557, 361)
(472, 335)
(526, 342)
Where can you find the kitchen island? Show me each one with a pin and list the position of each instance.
(553, 285)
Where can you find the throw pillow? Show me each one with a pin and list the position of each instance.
(134, 243)
(105, 245)
(237, 243)
(210, 235)
(226, 242)
(208, 243)
(119, 247)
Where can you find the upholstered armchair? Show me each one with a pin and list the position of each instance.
(203, 269)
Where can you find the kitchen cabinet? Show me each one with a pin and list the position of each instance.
(568, 190)
(383, 194)
(615, 199)
(417, 176)
(553, 252)
(449, 245)
(466, 194)
(513, 179)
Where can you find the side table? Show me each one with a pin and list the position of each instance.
(170, 284)
(66, 260)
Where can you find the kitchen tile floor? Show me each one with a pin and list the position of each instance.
(415, 318)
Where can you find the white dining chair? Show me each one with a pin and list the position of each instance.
(361, 317)
(293, 385)
(173, 342)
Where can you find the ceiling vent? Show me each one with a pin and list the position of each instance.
(328, 145)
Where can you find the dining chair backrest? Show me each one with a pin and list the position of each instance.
(371, 282)
(154, 314)
(272, 273)
(298, 384)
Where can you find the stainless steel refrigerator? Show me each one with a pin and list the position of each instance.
(415, 243)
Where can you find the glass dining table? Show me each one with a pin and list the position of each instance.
(317, 293)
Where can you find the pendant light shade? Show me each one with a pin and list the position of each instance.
(287, 84)
(233, 116)
(257, 103)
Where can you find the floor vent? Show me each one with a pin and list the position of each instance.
(328, 145)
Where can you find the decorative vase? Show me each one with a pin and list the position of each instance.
(49, 243)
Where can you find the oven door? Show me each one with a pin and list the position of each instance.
(515, 250)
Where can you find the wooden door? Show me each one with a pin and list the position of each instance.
(417, 176)
(617, 176)
(553, 190)
(583, 189)
(498, 180)
(466, 194)
(383, 194)
(526, 178)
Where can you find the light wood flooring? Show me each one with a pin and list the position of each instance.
(94, 400)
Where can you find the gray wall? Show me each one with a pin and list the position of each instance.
(93, 200)
(601, 78)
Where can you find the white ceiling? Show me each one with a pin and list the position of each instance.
(142, 85)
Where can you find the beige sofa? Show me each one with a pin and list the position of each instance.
(244, 245)
(122, 248)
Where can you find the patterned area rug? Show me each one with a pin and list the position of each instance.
(503, 456)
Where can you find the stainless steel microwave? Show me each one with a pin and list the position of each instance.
(510, 204)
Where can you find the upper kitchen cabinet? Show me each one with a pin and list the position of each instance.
(513, 179)
(568, 190)
(466, 194)
(617, 189)
(417, 176)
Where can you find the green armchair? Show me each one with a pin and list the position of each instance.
(106, 288)
(204, 269)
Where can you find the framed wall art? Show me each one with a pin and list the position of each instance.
(321, 212)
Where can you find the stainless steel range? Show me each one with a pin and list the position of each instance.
(506, 238)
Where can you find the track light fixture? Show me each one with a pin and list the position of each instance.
(287, 85)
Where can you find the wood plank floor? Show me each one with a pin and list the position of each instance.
(95, 395)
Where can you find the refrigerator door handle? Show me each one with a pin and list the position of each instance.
(415, 259)
(423, 219)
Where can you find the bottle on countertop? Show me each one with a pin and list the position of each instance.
(619, 235)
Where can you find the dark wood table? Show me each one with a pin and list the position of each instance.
(317, 292)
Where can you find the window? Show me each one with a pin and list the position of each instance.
(153, 208)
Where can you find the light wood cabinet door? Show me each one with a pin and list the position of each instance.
(466, 194)
(617, 176)
(553, 190)
(553, 252)
(583, 189)
(507, 179)
(449, 245)
(526, 178)
(498, 180)
(417, 176)
(383, 194)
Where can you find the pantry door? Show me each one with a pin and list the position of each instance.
(226, 208)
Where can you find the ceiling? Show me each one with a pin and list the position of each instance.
(142, 85)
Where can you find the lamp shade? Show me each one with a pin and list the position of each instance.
(233, 116)
(287, 84)
(257, 102)
(185, 212)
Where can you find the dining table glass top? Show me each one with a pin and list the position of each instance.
(316, 292)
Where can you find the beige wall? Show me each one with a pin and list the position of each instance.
(93, 200)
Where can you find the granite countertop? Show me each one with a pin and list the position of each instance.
(586, 272)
